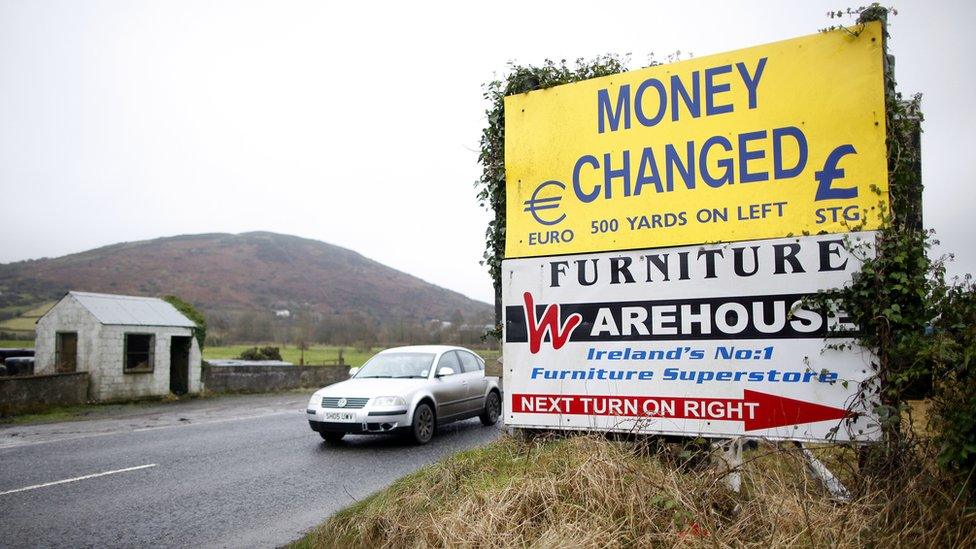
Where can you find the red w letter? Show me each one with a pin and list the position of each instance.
(548, 323)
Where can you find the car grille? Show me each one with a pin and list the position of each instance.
(351, 403)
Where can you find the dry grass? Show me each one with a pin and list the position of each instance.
(587, 491)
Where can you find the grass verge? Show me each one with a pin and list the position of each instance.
(50, 415)
(587, 491)
(17, 343)
(95, 410)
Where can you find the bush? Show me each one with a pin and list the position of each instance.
(953, 349)
(191, 312)
(262, 353)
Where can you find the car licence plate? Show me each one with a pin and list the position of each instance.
(346, 417)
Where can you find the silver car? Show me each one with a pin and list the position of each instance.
(409, 390)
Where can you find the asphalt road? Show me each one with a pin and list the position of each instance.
(227, 472)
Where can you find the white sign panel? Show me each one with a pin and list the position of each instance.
(699, 340)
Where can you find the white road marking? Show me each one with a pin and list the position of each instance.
(76, 479)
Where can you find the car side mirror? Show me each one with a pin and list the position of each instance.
(445, 371)
(353, 371)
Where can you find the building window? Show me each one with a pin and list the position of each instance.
(139, 353)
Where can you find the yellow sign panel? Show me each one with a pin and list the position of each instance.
(765, 142)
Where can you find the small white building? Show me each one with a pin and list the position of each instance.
(130, 346)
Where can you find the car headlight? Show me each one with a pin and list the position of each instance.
(389, 401)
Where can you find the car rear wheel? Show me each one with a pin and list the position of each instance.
(422, 428)
(330, 437)
(493, 409)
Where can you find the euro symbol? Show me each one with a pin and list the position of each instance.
(831, 172)
(534, 204)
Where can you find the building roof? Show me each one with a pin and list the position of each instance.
(131, 310)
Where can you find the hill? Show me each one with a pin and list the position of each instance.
(227, 275)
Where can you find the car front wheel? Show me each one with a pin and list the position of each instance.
(422, 429)
(493, 409)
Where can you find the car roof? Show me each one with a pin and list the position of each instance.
(424, 349)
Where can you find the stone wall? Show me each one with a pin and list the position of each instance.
(260, 379)
(21, 394)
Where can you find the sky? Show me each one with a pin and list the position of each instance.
(358, 123)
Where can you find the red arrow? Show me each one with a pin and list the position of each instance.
(777, 411)
(755, 410)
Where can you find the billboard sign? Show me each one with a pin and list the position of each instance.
(709, 340)
(765, 142)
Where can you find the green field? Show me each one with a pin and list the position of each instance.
(26, 321)
(315, 354)
(320, 354)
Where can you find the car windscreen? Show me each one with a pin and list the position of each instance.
(399, 365)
